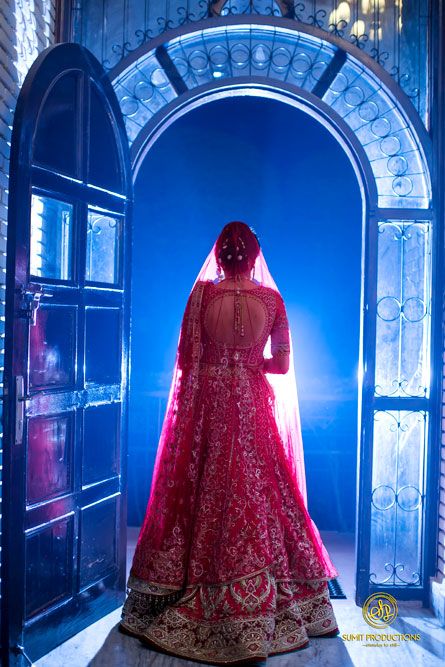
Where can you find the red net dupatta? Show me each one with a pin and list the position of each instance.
(186, 370)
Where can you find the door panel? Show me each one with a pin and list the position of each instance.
(50, 447)
(98, 548)
(66, 355)
(102, 345)
(49, 564)
(101, 445)
(105, 173)
(56, 118)
(52, 348)
(397, 406)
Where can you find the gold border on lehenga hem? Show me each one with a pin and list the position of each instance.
(138, 584)
(259, 636)
(230, 638)
(238, 661)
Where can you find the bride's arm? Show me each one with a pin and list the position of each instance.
(280, 348)
(277, 364)
(190, 323)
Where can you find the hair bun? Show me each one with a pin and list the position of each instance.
(237, 240)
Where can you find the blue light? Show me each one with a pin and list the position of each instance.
(217, 74)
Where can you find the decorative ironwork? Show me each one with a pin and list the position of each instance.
(394, 577)
(391, 32)
(292, 57)
(403, 308)
(262, 7)
(397, 499)
(388, 142)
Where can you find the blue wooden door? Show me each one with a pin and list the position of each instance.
(66, 365)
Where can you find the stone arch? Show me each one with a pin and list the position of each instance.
(333, 75)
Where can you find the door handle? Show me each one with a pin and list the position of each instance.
(30, 300)
(19, 408)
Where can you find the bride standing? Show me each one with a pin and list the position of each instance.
(229, 567)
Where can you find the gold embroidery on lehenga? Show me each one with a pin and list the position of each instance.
(203, 625)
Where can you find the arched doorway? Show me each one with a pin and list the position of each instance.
(388, 148)
(225, 159)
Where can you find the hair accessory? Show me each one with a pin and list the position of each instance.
(239, 242)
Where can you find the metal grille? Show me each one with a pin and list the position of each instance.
(393, 33)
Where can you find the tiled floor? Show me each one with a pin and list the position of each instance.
(101, 645)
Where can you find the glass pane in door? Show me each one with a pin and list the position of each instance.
(51, 246)
(103, 232)
(403, 309)
(397, 500)
(49, 565)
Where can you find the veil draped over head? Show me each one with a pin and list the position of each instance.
(179, 416)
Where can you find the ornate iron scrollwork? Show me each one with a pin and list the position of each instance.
(382, 31)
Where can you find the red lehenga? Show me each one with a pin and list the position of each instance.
(229, 566)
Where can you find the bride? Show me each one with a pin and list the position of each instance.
(229, 567)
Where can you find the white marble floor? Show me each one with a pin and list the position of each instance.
(101, 645)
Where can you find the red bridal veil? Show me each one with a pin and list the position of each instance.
(284, 386)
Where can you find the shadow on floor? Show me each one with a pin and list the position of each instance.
(119, 650)
(422, 622)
